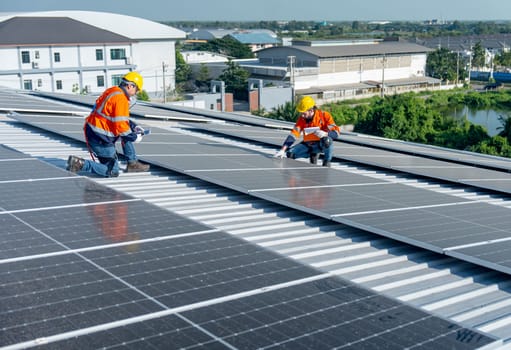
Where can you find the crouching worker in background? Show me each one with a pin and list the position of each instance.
(108, 122)
(318, 129)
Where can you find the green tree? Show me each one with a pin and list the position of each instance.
(183, 69)
(478, 55)
(405, 117)
(505, 128)
(497, 146)
(142, 95)
(284, 112)
(443, 64)
(202, 79)
(226, 46)
(503, 59)
(236, 79)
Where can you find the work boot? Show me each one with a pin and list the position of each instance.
(326, 163)
(74, 164)
(136, 167)
(313, 158)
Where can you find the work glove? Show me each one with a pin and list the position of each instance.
(320, 133)
(280, 154)
(139, 138)
(139, 130)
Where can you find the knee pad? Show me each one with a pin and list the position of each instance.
(325, 142)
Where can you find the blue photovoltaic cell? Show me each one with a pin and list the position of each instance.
(295, 318)
(108, 223)
(86, 266)
(18, 239)
(52, 193)
(305, 176)
(495, 255)
(439, 228)
(104, 285)
(358, 198)
(159, 333)
(29, 169)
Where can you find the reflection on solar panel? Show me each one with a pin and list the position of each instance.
(434, 168)
(84, 266)
(469, 158)
(22, 102)
(139, 109)
(393, 210)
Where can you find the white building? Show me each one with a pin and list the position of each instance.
(192, 57)
(84, 51)
(337, 70)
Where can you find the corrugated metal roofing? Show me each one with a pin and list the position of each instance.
(135, 28)
(384, 48)
(54, 31)
(254, 38)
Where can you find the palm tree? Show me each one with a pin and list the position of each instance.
(505, 128)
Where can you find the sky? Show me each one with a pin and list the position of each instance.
(265, 10)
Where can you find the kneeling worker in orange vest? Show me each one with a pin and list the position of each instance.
(318, 129)
(108, 122)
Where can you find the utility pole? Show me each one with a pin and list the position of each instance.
(469, 65)
(291, 60)
(164, 68)
(384, 60)
(457, 68)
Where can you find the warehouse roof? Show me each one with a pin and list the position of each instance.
(53, 31)
(329, 51)
(137, 28)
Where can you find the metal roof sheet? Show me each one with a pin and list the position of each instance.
(135, 28)
(53, 30)
(384, 48)
(254, 38)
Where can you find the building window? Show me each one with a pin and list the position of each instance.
(99, 55)
(116, 79)
(100, 80)
(27, 84)
(36, 54)
(25, 57)
(117, 54)
(39, 82)
(59, 84)
(56, 56)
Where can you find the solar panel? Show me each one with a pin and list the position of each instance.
(381, 157)
(27, 168)
(84, 266)
(469, 158)
(21, 101)
(348, 198)
(52, 193)
(140, 109)
(289, 174)
(496, 252)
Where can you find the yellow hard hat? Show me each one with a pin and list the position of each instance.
(135, 78)
(305, 104)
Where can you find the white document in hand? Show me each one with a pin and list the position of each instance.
(311, 130)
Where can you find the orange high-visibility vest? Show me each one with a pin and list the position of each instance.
(110, 116)
(321, 119)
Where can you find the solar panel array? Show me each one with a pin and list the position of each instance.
(138, 109)
(84, 266)
(463, 173)
(439, 222)
(21, 101)
(261, 130)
